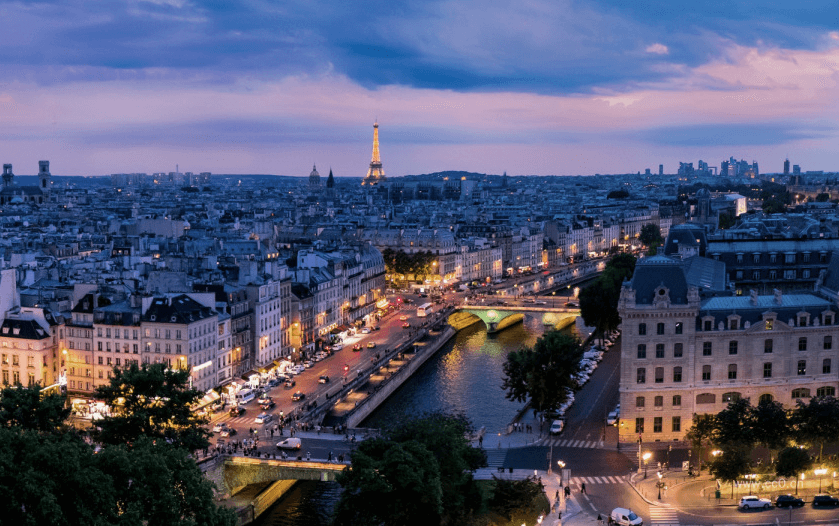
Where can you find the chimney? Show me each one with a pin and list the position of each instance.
(778, 296)
(753, 297)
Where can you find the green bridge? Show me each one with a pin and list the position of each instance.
(499, 317)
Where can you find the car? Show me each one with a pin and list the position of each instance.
(263, 400)
(273, 382)
(403, 318)
(786, 501)
(751, 501)
(308, 364)
(289, 443)
(228, 432)
(625, 517)
(612, 419)
(236, 410)
(263, 418)
(557, 426)
(289, 383)
(406, 325)
(824, 500)
(219, 427)
(357, 347)
(268, 405)
(346, 368)
(365, 330)
(571, 304)
(324, 379)
(297, 396)
(371, 345)
(337, 346)
(377, 328)
(297, 369)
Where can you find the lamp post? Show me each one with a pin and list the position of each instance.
(820, 472)
(659, 484)
(561, 465)
(646, 458)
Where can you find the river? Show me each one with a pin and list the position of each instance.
(464, 376)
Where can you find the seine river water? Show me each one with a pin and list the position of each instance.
(464, 376)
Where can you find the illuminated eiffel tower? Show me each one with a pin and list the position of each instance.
(376, 173)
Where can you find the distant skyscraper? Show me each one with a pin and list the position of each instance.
(660, 169)
(376, 173)
(786, 167)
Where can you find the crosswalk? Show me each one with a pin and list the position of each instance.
(557, 442)
(663, 516)
(496, 457)
(606, 479)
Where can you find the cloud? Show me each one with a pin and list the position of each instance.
(657, 49)
(732, 134)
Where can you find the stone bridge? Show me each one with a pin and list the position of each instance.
(239, 472)
(499, 317)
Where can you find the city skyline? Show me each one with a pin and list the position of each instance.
(543, 88)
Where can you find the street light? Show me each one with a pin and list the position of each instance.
(820, 472)
(561, 465)
(659, 484)
(646, 458)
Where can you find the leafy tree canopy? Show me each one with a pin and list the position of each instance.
(154, 401)
(542, 374)
(30, 408)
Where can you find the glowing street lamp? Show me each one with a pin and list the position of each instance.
(646, 458)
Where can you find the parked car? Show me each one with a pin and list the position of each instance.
(289, 383)
(297, 396)
(371, 345)
(337, 346)
(786, 501)
(365, 330)
(824, 500)
(308, 364)
(625, 517)
(751, 501)
(612, 419)
(236, 410)
(323, 379)
(289, 443)
(557, 426)
(274, 382)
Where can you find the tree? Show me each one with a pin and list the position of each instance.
(618, 194)
(30, 408)
(650, 235)
(599, 301)
(154, 401)
(543, 373)
(823, 197)
(817, 421)
(516, 499)
(770, 425)
(731, 464)
(700, 433)
(734, 425)
(402, 478)
(792, 461)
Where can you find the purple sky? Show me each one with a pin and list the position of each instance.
(528, 87)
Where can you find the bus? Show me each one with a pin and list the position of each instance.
(245, 395)
(423, 310)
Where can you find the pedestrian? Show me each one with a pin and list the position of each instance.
(567, 491)
(481, 442)
(308, 456)
(556, 497)
(329, 458)
(583, 488)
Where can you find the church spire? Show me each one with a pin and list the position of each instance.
(375, 173)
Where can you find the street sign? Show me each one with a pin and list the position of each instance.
(685, 465)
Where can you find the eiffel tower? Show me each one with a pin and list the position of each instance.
(376, 173)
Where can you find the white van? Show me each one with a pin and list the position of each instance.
(289, 443)
(625, 517)
(245, 395)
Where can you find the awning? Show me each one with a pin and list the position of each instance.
(277, 363)
(247, 375)
(336, 330)
(210, 397)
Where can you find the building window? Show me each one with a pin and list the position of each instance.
(802, 344)
(805, 274)
(828, 320)
(738, 275)
(657, 424)
(706, 325)
(642, 350)
(739, 258)
(659, 375)
(677, 400)
(732, 371)
(802, 321)
(707, 348)
(659, 350)
(767, 370)
(677, 424)
(706, 372)
(765, 399)
(677, 374)
(679, 327)
(734, 324)
(773, 274)
(658, 401)
(821, 391)
(641, 375)
(642, 329)
(639, 425)
(730, 397)
(826, 366)
(732, 347)
(677, 350)
(756, 275)
(789, 274)
(767, 345)
(706, 398)
(770, 324)
(801, 392)
(802, 367)
(639, 401)
(828, 342)
(659, 329)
